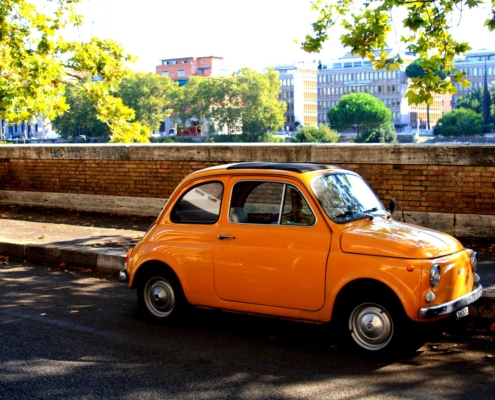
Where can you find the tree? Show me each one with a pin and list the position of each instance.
(358, 111)
(81, 117)
(150, 96)
(459, 122)
(193, 101)
(385, 133)
(147, 94)
(320, 134)
(427, 33)
(472, 101)
(246, 101)
(226, 105)
(261, 109)
(37, 64)
(416, 72)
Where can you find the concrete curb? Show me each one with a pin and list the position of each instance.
(108, 261)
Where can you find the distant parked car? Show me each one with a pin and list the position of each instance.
(301, 241)
(52, 135)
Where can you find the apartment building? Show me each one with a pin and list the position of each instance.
(37, 129)
(181, 69)
(475, 64)
(299, 91)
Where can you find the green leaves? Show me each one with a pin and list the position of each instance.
(320, 134)
(427, 33)
(459, 122)
(247, 102)
(150, 96)
(358, 111)
(36, 65)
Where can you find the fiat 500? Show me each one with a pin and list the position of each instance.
(301, 241)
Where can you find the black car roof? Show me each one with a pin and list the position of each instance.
(294, 167)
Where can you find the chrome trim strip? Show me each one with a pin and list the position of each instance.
(451, 306)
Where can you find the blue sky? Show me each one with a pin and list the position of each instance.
(248, 33)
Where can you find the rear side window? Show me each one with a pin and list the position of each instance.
(199, 205)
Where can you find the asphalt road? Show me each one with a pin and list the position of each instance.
(65, 334)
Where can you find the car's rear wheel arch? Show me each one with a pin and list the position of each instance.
(160, 294)
(153, 267)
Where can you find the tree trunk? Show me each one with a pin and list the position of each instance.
(428, 116)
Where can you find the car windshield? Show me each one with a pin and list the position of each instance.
(346, 197)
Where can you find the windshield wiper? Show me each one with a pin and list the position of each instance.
(370, 210)
(346, 214)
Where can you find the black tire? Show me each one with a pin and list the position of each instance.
(372, 325)
(161, 298)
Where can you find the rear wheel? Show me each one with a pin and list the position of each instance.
(160, 297)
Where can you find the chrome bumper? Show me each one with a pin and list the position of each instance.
(451, 306)
(123, 276)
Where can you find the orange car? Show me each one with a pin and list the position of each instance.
(301, 241)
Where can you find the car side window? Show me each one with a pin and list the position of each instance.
(296, 210)
(258, 202)
(199, 205)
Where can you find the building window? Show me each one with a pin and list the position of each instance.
(181, 73)
(164, 73)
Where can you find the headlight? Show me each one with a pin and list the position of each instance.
(474, 260)
(434, 275)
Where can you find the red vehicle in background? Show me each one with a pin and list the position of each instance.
(189, 130)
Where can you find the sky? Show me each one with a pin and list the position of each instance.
(246, 33)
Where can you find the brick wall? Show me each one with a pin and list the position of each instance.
(98, 177)
(441, 179)
(433, 188)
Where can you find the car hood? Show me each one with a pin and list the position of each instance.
(389, 238)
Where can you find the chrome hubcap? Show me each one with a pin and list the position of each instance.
(159, 297)
(371, 326)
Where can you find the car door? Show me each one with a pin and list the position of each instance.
(272, 246)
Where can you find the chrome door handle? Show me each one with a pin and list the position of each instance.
(221, 237)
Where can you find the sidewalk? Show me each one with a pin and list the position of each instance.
(92, 241)
(99, 242)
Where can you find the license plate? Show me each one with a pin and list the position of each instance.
(462, 312)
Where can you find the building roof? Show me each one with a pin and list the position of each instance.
(190, 58)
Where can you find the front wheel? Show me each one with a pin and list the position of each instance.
(160, 298)
(373, 325)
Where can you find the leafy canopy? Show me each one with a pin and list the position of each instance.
(247, 101)
(80, 118)
(459, 122)
(427, 25)
(472, 101)
(358, 111)
(385, 133)
(320, 134)
(149, 95)
(37, 64)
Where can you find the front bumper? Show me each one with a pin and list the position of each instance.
(451, 306)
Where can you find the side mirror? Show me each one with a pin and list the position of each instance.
(392, 205)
